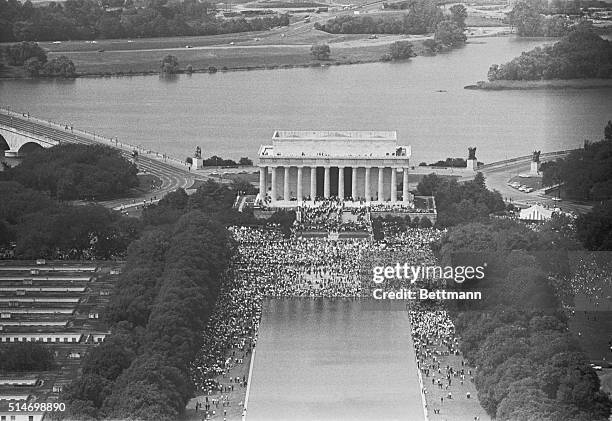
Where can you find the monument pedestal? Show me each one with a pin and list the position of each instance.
(197, 163)
(535, 168)
(472, 164)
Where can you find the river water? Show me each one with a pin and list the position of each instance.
(334, 360)
(231, 114)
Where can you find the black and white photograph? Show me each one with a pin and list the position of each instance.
(305, 210)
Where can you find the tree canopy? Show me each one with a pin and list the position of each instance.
(423, 17)
(460, 202)
(89, 19)
(320, 51)
(71, 171)
(529, 365)
(578, 55)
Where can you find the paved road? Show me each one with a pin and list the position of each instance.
(172, 174)
(497, 178)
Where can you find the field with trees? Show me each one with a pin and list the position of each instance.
(423, 17)
(88, 20)
(33, 59)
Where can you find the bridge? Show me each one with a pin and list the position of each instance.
(173, 172)
(14, 142)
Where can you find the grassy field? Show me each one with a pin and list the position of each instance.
(593, 330)
(234, 57)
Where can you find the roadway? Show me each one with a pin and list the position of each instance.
(498, 176)
(173, 175)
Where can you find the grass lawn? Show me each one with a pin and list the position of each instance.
(606, 381)
(595, 328)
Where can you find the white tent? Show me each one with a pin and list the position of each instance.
(535, 213)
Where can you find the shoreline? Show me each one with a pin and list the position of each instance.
(500, 85)
(93, 75)
(240, 58)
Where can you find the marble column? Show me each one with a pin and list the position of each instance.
(405, 186)
(354, 184)
(262, 182)
(393, 184)
(327, 182)
(274, 181)
(341, 183)
(300, 193)
(367, 184)
(313, 183)
(286, 185)
(381, 174)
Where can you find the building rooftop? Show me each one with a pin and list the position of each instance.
(335, 134)
(335, 144)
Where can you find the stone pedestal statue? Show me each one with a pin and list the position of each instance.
(472, 162)
(535, 163)
(197, 161)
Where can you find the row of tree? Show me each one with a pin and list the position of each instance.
(423, 17)
(38, 226)
(162, 301)
(89, 19)
(449, 162)
(460, 202)
(25, 356)
(528, 365)
(586, 173)
(578, 55)
(34, 61)
(529, 19)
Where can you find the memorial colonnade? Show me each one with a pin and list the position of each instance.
(357, 182)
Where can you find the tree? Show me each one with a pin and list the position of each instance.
(33, 66)
(320, 51)
(594, 229)
(60, 66)
(169, 65)
(449, 33)
(401, 50)
(608, 130)
(459, 14)
(18, 54)
(245, 161)
(25, 356)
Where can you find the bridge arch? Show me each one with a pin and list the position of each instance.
(19, 141)
(4, 146)
(28, 148)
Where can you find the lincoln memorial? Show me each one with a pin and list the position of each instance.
(351, 165)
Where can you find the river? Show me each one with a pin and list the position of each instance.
(231, 114)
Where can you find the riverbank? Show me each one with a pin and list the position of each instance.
(238, 52)
(499, 85)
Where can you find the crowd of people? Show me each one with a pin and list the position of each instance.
(433, 335)
(267, 265)
(331, 215)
